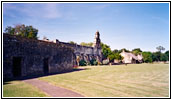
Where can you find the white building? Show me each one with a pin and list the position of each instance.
(131, 58)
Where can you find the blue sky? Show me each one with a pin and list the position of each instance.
(121, 25)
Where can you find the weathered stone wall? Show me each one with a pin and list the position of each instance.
(86, 53)
(61, 58)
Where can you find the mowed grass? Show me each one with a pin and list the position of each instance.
(21, 89)
(133, 80)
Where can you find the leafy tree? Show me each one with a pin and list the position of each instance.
(22, 30)
(160, 48)
(164, 57)
(31, 34)
(86, 44)
(147, 57)
(156, 56)
(72, 42)
(105, 50)
(111, 57)
(118, 56)
(115, 51)
(167, 54)
(137, 51)
(124, 50)
(9, 30)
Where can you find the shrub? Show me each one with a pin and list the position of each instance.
(93, 62)
(82, 63)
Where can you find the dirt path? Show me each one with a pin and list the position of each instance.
(52, 90)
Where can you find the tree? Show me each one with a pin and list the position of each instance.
(9, 30)
(147, 57)
(111, 57)
(156, 56)
(167, 54)
(124, 50)
(106, 51)
(137, 51)
(86, 44)
(115, 55)
(30, 35)
(118, 56)
(164, 57)
(115, 51)
(22, 30)
(71, 42)
(160, 48)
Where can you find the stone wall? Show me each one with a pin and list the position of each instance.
(34, 56)
(85, 52)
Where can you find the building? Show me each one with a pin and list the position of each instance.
(88, 53)
(131, 58)
(30, 57)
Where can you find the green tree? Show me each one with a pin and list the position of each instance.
(137, 51)
(86, 44)
(30, 35)
(159, 56)
(115, 51)
(167, 54)
(164, 57)
(124, 50)
(72, 42)
(118, 56)
(22, 30)
(111, 57)
(147, 57)
(115, 54)
(106, 50)
(9, 30)
(156, 56)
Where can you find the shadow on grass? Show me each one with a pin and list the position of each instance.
(7, 81)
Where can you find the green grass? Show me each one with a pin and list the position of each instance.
(21, 89)
(133, 80)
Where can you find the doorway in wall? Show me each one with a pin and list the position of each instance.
(46, 69)
(17, 66)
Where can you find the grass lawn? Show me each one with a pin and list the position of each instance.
(133, 80)
(21, 89)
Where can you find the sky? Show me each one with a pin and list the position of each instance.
(121, 25)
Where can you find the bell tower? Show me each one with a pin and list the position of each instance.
(97, 41)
